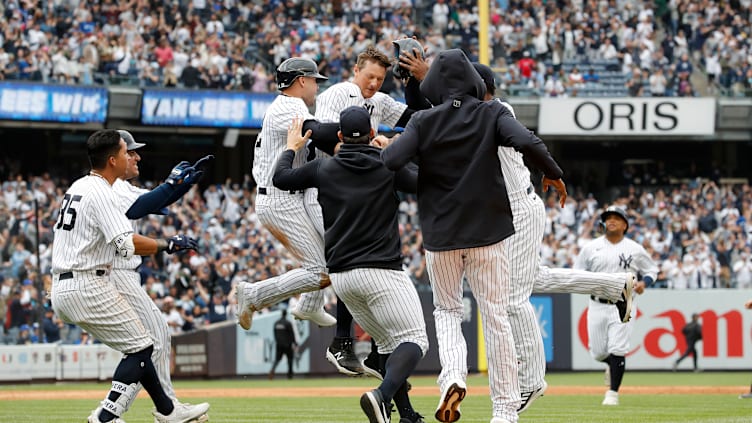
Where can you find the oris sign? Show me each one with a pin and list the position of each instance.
(657, 339)
(627, 116)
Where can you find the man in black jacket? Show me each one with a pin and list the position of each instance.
(465, 215)
(362, 249)
(284, 337)
(692, 332)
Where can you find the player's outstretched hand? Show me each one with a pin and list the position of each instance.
(180, 243)
(748, 304)
(296, 141)
(559, 186)
(179, 172)
(203, 162)
(193, 177)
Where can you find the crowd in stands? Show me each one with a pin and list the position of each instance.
(651, 48)
(697, 232)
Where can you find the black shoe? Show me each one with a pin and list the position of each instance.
(529, 397)
(624, 305)
(371, 365)
(377, 410)
(417, 418)
(340, 353)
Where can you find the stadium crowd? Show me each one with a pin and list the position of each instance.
(698, 232)
(236, 45)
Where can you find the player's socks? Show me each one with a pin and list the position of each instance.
(344, 320)
(399, 366)
(616, 364)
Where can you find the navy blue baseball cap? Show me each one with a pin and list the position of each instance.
(355, 122)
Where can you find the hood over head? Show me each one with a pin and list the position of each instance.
(451, 76)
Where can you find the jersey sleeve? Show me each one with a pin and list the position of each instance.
(391, 110)
(109, 216)
(646, 265)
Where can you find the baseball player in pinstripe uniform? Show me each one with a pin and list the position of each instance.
(528, 276)
(465, 216)
(363, 252)
(124, 276)
(612, 252)
(91, 230)
(282, 212)
(363, 91)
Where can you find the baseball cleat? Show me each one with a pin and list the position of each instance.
(529, 397)
(376, 409)
(182, 413)
(320, 317)
(624, 305)
(371, 365)
(499, 420)
(611, 398)
(448, 410)
(245, 311)
(748, 395)
(417, 418)
(340, 353)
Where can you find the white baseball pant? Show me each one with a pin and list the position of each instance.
(385, 304)
(91, 302)
(128, 284)
(487, 272)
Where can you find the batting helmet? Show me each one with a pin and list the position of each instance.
(617, 211)
(405, 44)
(130, 143)
(295, 67)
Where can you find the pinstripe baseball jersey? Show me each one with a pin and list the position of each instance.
(91, 216)
(600, 255)
(272, 140)
(382, 108)
(516, 174)
(128, 195)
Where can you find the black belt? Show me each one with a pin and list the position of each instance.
(601, 300)
(69, 275)
(263, 191)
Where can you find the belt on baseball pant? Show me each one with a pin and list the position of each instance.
(69, 275)
(267, 191)
(601, 300)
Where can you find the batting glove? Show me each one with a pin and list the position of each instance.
(180, 243)
(178, 173)
(203, 162)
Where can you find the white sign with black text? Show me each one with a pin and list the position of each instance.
(627, 116)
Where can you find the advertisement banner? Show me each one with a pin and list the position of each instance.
(544, 311)
(52, 103)
(204, 108)
(256, 349)
(657, 341)
(15, 363)
(664, 116)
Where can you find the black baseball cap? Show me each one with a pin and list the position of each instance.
(355, 122)
(130, 143)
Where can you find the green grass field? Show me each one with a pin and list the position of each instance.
(554, 407)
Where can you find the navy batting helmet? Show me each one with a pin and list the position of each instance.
(295, 67)
(405, 44)
(617, 211)
(130, 143)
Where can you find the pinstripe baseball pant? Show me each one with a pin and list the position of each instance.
(128, 284)
(385, 304)
(487, 272)
(91, 302)
(284, 216)
(311, 302)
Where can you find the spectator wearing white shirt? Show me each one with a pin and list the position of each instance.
(742, 268)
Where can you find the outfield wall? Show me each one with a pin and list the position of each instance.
(225, 350)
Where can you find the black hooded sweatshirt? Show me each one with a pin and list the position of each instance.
(358, 199)
(462, 199)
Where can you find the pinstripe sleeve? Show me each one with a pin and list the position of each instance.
(391, 109)
(109, 216)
